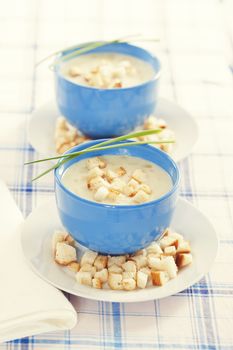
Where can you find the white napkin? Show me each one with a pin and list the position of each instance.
(28, 305)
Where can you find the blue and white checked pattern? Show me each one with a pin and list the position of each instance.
(197, 54)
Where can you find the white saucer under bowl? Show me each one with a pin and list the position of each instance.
(36, 240)
(43, 121)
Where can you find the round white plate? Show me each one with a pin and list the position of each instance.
(36, 240)
(43, 121)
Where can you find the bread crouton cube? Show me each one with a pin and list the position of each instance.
(159, 278)
(69, 240)
(140, 252)
(96, 162)
(141, 197)
(84, 278)
(95, 183)
(128, 274)
(170, 250)
(74, 71)
(116, 260)
(118, 185)
(121, 171)
(74, 266)
(169, 265)
(96, 283)
(113, 194)
(145, 188)
(88, 268)
(94, 172)
(101, 262)
(154, 248)
(147, 271)
(102, 275)
(183, 259)
(154, 263)
(115, 281)
(139, 175)
(115, 269)
(129, 266)
(140, 260)
(142, 279)
(65, 253)
(110, 175)
(129, 284)
(58, 237)
(101, 194)
(88, 257)
(183, 247)
(167, 241)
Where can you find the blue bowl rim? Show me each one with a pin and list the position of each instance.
(124, 207)
(155, 77)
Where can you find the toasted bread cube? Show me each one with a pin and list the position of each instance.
(140, 252)
(96, 162)
(110, 175)
(96, 283)
(145, 188)
(101, 194)
(170, 250)
(139, 175)
(95, 183)
(154, 263)
(183, 247)
(183, 259)
(74, 72)
(147, 271)
(102, 275)
(116, 260)
(141, 197)
(65, 253)
(140, 260)
(115, 281)
(129, 284)
(118, 185)
(115, 269)
(69, 240)
(176, 235)
(133, 183)
(129, 191)
(74, 266)
(122, 199)
(154, 248)
(169, 265)
(88, 268)
(159, 278)
(129, 266)
(167, 241)
(84, 278)
(57, 237)
(121, 171)
(142, 279)
(88, 257)
(101, 262)
(150, 123)
(113, 194)
(128, 274)
(94, 172)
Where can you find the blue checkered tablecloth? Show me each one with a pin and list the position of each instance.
(196, 49)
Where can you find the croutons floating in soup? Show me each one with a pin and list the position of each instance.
(117, 180)
(107, 70)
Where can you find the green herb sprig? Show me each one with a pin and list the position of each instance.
(105, 145)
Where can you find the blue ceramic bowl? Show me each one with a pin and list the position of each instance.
(108, 112)
(117, 229)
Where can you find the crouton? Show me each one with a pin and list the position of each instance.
(183, 259)
(139, 175)
(65, 254)
(129, 266)
(140, 252)
(154, 248)
(57, 237)
(116, 260)
(147, 271)
(113, 194)
(88, 257)
(145, 188)
(115, 269)
(101, 194)
(69, 240)
(170, 250)
(96, 283)
(154, 263)
(129, 284)
(183, 247)
(74, 71)
(141, 197)
(95, 162)
(169, 265)
(95, 183)
(159, 278)
(140, 260)
(101, 262)
(128, 274)
(110, 175)
(115, 281)
(102, 275)
(94, 172)
(74, 266)
(121, 171)
(118, 185)
(167, 241)
(88, 268)
(84, 278)
(142, 279)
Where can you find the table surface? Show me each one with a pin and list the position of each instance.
(196, 49)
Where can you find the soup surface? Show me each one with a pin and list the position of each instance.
(117, 179)
(107, 70)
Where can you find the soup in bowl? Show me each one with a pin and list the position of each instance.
(108, 91)
(117, 201)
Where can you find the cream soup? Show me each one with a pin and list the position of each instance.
(117, 179)
(107, 70)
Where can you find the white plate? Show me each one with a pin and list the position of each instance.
(36, 239)
(43, 121)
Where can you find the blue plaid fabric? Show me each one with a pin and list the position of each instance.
(197, 54)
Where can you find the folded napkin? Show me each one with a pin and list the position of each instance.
(28, 305)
